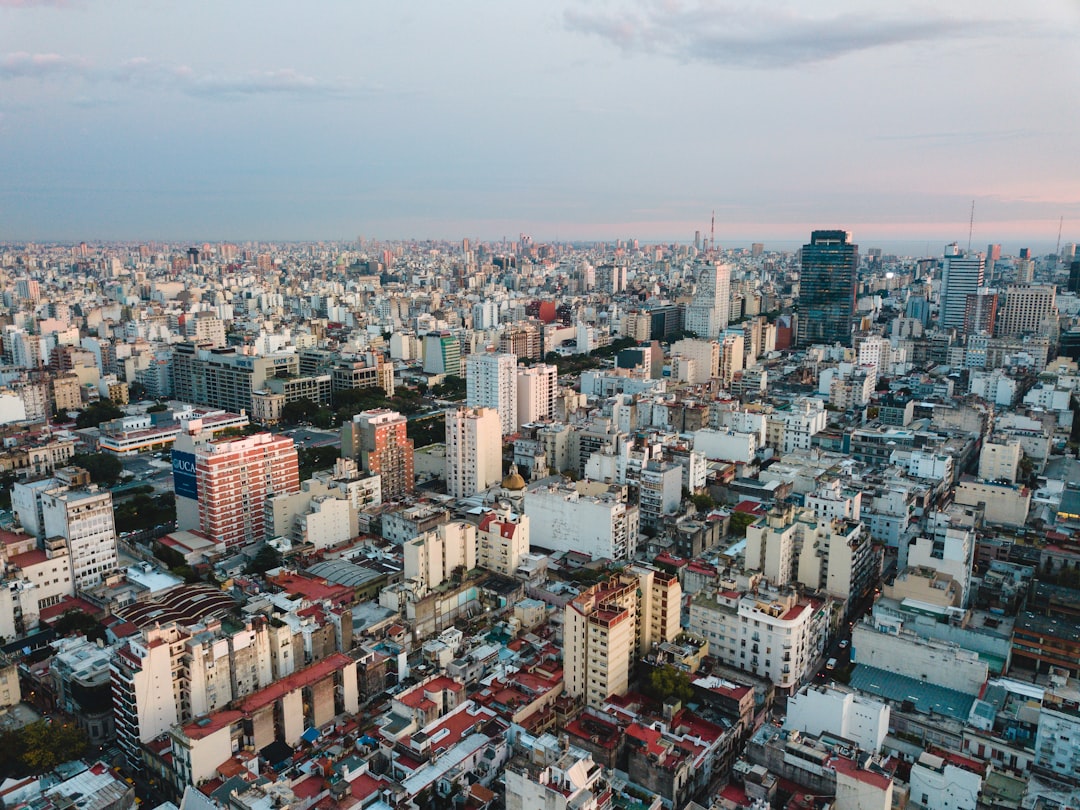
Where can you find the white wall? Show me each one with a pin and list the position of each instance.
(921, 659)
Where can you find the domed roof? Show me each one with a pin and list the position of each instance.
(513, 481)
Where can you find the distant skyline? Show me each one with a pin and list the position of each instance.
(567, 120)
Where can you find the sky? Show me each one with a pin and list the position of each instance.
(563, 119)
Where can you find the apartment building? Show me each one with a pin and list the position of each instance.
(586, 516)
(378, 440)
(491, 382)
(473, 451)
(502, 541)
(607, 626)
(772, 633)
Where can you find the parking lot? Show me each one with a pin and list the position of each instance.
(313, 437)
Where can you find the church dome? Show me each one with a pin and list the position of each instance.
(513, 481)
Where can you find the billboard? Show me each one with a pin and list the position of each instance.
(183, 471)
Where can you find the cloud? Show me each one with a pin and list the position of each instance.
(23, 65)
(149, 74)
(33, 3)
(736, 36)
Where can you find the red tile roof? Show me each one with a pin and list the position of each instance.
(297, 680)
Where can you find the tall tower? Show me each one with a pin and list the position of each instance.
(962, 274)
(827, 282)
(378, 440)
(709, 311)
(473, 451)
(490, 383)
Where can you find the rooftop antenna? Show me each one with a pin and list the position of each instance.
(971, 225)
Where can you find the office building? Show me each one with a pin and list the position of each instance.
(827, 286)
(980, 312)
(709, 310)
(233, 480)
(491, 382)
(962, 274)
(442, 354)
(537, 388)
(224, 377)
(379, 441)
(1027, 310)
(473, 451)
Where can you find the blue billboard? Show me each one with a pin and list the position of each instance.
(183, 472)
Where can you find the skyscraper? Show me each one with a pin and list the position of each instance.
(473, 451)
(827, 288)
(490, 383)
(377, 439)
(709, 311)
(961, 276)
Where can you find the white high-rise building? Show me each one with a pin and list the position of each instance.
(961, 276)
(84, 517)
(490, 382)
(473, 451)
(536, 390)
(709, 311)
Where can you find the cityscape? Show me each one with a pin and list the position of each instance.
(515, 524)
(578, 405)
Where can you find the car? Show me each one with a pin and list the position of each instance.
(844, 644)
(830, 664)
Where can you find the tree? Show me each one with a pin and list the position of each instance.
(703, 502)
(301, 410)
(739, 523)
(104, 468)
(101, 411)
(666, 682)
(75, 621)
(160, 407)
(266, 559)
(44, 745)
(452, 388)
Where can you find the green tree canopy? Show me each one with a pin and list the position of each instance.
(101, 411)
(40, 747)
(452, 388)
(739, 523)
(75, 621)
(668, 682)
(104, 468)
(301, 410)
(265, 559)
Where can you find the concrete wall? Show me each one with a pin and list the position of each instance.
(931, 662)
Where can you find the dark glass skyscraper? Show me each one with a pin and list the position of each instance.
(827, 288)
